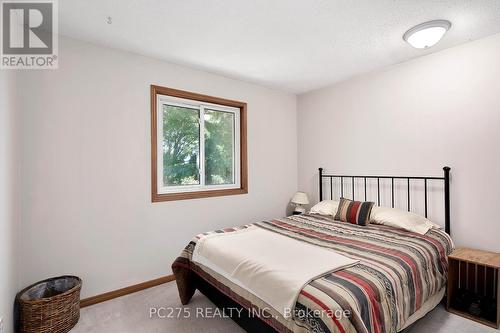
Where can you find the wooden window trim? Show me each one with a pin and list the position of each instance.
(160, 197)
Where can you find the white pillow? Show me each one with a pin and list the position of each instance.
(325, 207)
(401, 219)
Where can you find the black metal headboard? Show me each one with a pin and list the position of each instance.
(446, 180)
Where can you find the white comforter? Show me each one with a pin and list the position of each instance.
(254, 259)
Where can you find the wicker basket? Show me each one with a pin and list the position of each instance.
(51, 305)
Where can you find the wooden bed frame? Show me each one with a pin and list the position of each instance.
(256, 325)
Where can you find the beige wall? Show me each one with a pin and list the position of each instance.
(86, 167)
(8, 201)
(414, 118)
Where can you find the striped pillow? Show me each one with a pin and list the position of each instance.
(355, 212)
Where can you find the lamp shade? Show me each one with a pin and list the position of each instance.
(300, 198)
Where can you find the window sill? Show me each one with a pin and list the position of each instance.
(197, 194)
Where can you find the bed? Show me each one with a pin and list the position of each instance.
(398, 276)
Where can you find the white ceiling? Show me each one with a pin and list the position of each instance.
(293, 45)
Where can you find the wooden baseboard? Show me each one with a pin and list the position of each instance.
(125, 291)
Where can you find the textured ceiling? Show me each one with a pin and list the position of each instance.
(292, 45)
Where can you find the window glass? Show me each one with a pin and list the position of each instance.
(219, 147)
(181, 146)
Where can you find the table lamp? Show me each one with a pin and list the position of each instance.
(299, 199)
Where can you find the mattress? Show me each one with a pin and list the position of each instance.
(398, 275)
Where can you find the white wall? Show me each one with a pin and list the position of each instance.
(8, 202)
(414, 118)
(86, 206)
(85, 155)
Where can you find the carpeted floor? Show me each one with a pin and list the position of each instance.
(131, 314)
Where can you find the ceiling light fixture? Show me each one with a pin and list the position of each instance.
(427, 34)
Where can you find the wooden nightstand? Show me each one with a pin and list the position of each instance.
(473, 285)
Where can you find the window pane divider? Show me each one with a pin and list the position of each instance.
(202, 146)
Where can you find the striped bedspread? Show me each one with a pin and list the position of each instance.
(398, 271)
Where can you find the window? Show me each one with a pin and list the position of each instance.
(198, 145)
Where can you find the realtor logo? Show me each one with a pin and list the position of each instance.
(29, 34)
